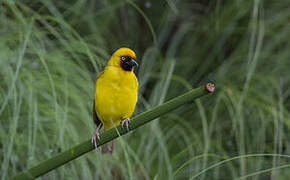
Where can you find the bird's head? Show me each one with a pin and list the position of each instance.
(124, 58)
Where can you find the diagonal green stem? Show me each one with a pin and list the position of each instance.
(139, 120)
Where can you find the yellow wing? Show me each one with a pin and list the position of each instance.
(96, 120)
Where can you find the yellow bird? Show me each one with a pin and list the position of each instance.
(115, 93)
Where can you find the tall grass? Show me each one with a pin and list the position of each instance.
(51, 51)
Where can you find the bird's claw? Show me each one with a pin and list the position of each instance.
(127, 121)
(94, 141)
(95, 136)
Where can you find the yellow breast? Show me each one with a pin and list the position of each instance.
(115, 95)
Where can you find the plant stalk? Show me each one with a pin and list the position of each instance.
(137, 121)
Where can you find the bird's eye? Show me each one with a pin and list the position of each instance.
(123, 58)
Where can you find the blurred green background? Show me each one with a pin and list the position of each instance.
(51, 52)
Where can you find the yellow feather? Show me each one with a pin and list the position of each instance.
(116, 91)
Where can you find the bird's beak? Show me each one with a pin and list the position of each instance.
(133, 63)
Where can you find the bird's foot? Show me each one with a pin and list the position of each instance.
(96, 135)
(126, 121)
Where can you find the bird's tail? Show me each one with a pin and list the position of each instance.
(108, 148)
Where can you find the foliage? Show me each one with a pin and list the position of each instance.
(51, 51)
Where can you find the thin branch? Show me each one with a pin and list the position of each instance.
(139, 120)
